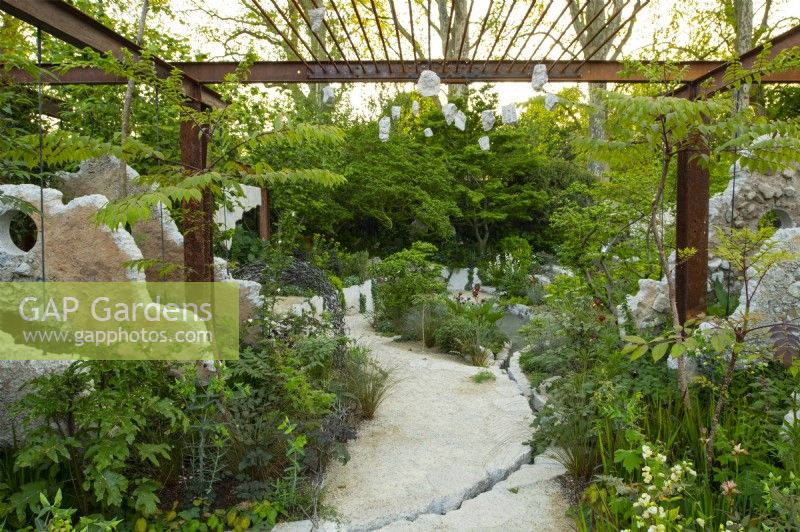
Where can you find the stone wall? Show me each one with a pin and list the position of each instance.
(778, 296)
(755, 196)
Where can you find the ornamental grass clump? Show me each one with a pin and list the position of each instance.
(365, 381)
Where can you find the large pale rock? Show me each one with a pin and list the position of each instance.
(462, 279)
(354, 294)
(649, 307)
(103, 176)
(778, 296)
(76, 249)
(157, 237)
(250, 298)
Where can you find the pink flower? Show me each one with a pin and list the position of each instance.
(729, 488)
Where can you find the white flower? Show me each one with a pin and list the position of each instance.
(647, 452)
(700, 522)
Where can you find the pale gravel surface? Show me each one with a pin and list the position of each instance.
(438, 440)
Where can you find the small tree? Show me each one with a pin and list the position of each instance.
(661, 127)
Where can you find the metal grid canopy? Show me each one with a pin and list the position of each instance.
(399, 41)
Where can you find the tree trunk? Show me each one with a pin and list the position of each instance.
(597, 124)
(594, 45)
(126, 104)
(743, 24)
(451, 48)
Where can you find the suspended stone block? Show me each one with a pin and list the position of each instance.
(509, 114)
(428, 132)
(328, 95)
(396, 112)
(483, 142)
(550, 101)
(155, 235)
(449, 111)
(539, 77)
(428, 83)
(460, 120)
(487, 119)
(76, 249)
(415, 108)
(317, 17)
(384, 125)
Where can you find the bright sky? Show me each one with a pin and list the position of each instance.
(655, 17)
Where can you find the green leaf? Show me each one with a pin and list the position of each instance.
(27, 498)
(109, 487)
(660, 350)
(151, 451)
(638, 340)
(631, 459)
(145, 498)
(640, 351)
(678, 350)
(721, 341)
(690, 343)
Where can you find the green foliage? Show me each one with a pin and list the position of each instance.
(511, 271)
(402, 277)
(619, 420)
(482, 376)
(109, 428)
(725, 303)
(422, 321)
(471, 331)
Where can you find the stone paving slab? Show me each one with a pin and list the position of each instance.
(437, 439)
(527, 501)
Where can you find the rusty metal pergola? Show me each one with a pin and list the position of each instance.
(335, 53)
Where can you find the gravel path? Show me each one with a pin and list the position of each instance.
(438, 440)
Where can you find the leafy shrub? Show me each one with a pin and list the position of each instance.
(108, 427)
(471, 331)
(422, 321)
(452, 331)
(509, 274)
(724, 303)
(119, 436)
(399, 279)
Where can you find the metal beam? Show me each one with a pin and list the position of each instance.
(198, 253)
(75, 27)
(691, 228)
(457, 72)
(713, 81)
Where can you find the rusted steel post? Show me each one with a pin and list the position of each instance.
(691, 275)
(264, 230)
(198, 253)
